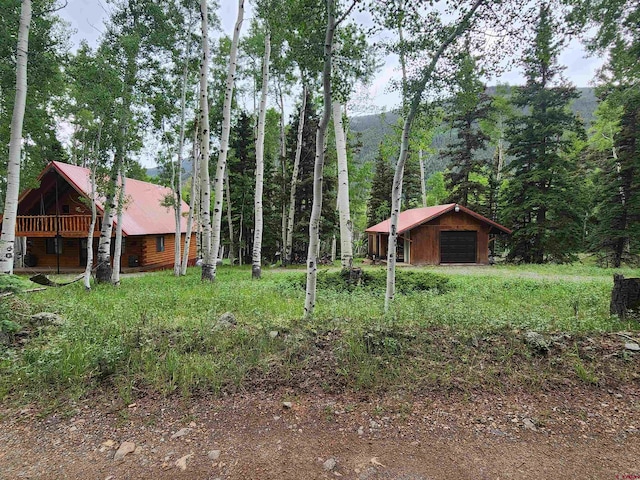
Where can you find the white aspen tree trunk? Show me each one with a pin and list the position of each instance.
(232, 250)
(283, 154)
(177, 267)
(208, 252)
(117, 251)
(321, 136)
(256, 261)
(92, 228)
(224, 139)
(333, 249)
(8, 235)
(396, 191)
(192, 205)
(423, 184)
(294, 180)
(104, 271)
(346, 233)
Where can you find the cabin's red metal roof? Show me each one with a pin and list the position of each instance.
(417, 216)
(143, 213)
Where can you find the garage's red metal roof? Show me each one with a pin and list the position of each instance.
(417, 216)
(143, 213)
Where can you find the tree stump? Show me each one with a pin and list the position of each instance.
(625, 295)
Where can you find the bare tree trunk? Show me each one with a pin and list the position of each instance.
(321, 137)
(208, 260)
(396, 191)
(192, 205)
(294, 180)
(256, 266)
(224, 139)
(346, 227)
(177, 267)
(104, 270)
(283, 154)
(232, 250)
(92, 228)
(117, 251)
(8, 236)
(333, 249)
(423, 184)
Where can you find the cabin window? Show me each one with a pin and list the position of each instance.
(53, 245)
(159, 244)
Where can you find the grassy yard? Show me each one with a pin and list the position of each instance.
(160, 334)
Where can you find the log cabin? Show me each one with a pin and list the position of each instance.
(442, 234)
(55, 218)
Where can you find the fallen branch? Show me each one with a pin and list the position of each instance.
(41, 279)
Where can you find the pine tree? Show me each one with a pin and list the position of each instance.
(538, 197)
(465, 176)
(379, 205)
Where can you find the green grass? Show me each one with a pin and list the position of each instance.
(158, 333)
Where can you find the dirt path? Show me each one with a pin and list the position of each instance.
(586, 434)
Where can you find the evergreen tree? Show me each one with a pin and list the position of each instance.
(538, 199)
(617, 228)
(465, 177)
(379, 205)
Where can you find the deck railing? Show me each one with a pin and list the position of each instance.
(27, 225)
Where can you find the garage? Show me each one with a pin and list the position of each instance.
(458, 247)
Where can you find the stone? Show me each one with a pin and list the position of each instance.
(124, 449)
(45, 318)
(287, 404)
(227, 320)
(529, 425)
(634, 347)
(181, 463)
(273, 334)
(214, 455)
(361, 430)
(180, 433)
(329, 464)
(536, 341)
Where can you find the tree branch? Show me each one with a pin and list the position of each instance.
(346, 14)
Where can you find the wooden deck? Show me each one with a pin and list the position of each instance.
(68, 226)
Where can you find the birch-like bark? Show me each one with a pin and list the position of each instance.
(208, 253)
(117, 251)
(283, 155)
(256, 265)
(232, 249)
(396, 191)
(104, 270)
(192, 205)
(8, 235)
(423, 185)
(92, 228)
(177, 208)
(224, 138)
(346, 227)
(321, 137)
(294, 180)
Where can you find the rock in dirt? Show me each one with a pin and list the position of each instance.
(180, 433)
(226, 320)
(634, 347)
(536, 341)
(124, 449)
(273, 334)
(529, 425)
(45, 318)
(329, 464)
(287, 405)
(214, 455)
(181, 463)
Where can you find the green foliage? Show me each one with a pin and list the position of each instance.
(436, 189)
(539, 201)
(379, 205)
(375, 281)
(158, 333)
